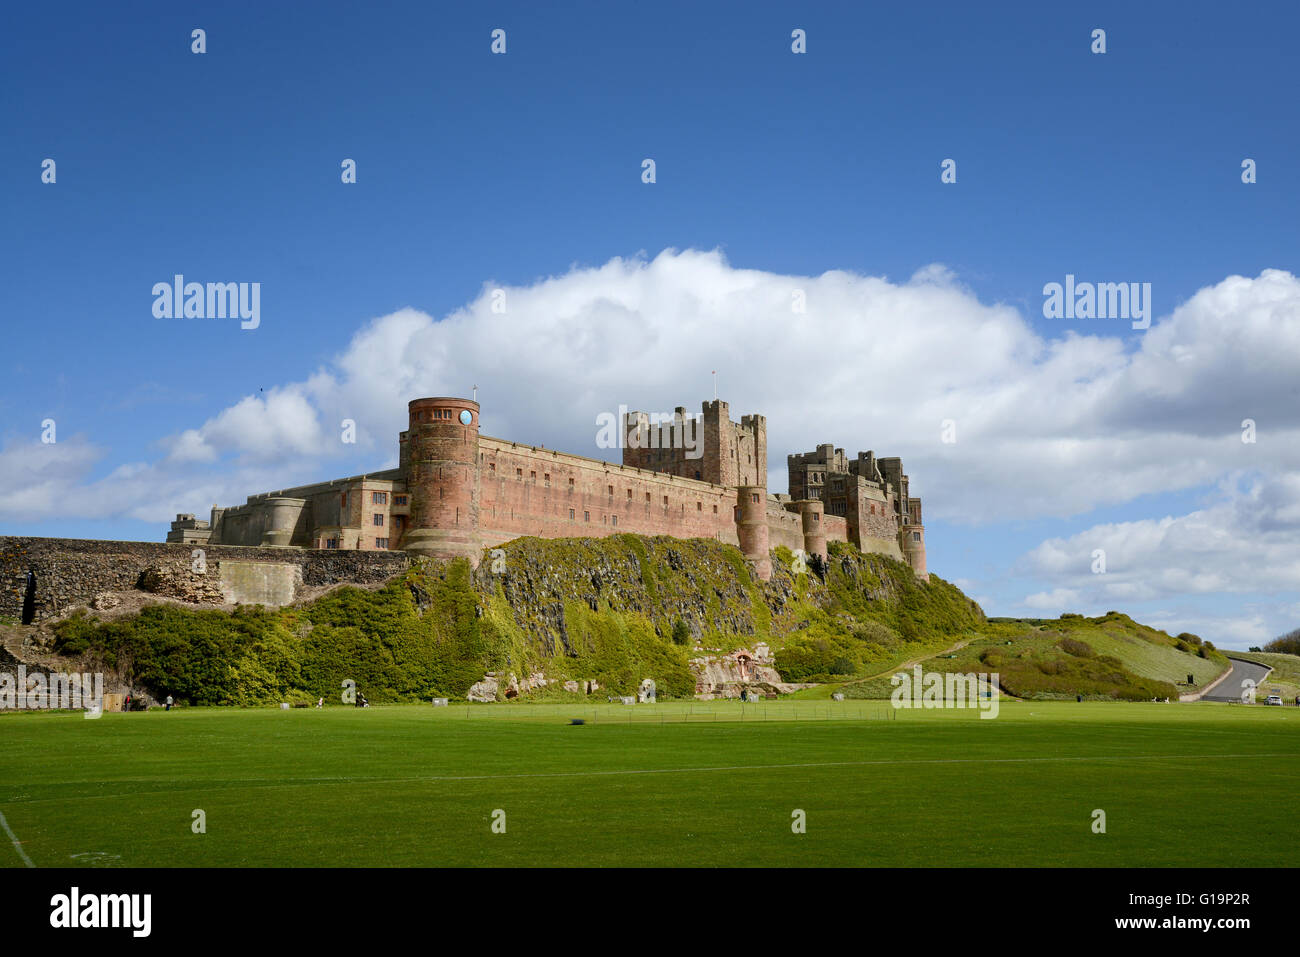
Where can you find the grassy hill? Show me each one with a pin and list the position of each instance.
(617, 610)
(614, 610)
(1111, 656)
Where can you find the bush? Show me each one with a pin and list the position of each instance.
(1072, 646)
(1288, 644)
(681, 633)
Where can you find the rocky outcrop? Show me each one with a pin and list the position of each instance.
(177, 580)
(697, 582)
(730, 675)
(491, 688)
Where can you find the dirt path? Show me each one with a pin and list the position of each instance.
(913, 662)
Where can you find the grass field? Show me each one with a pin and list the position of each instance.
(670, 784)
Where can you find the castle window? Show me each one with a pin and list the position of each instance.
(546, 477)
(611, 491)
(665, 501)
(699, 506)
(570, 483)
(614, 520)
(753, 497)
(629, 495)
(697, 473)
(873, 510)
(343, 500)
(379, 520)
(492, 466)
(378, 498)
(399, 499)
(571, 515)
(532, 476)
(519, 474)
(715, 510)
(381, 543)
(647, 498)
(586, 516)
(916, 536)
(331, 543)
(816, 517)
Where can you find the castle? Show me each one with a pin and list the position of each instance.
(456, 492)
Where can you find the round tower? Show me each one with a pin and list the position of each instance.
(814, 529)
(751, 528)
(442, 478)
(912, 539)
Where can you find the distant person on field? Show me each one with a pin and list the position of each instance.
(320, 703)
(169, 703)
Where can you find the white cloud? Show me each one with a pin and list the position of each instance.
(1247, 541)
(1058, 600)
(1046, 427)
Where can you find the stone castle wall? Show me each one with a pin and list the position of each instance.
(71, 571)
(531, 491)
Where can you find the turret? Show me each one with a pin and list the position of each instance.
(911, 537)
(442, 478)
(751, 528)
(814, 530)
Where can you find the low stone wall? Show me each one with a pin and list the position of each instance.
(71, 571)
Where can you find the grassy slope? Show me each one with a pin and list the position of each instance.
(411, 785)
(603, 609)
(1028, 654)
(608, 609)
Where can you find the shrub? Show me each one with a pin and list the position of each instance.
(1072, 646)
(681, 633)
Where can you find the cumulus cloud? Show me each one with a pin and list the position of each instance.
(1048, 424)
(1247, 541)
(1044, 426)
(36, 477)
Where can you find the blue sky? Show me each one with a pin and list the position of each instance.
(478, 171)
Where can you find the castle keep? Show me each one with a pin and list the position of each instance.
(456, 492)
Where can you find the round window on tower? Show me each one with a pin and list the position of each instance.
(466, 417)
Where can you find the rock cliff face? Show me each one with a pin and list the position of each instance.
(696, 582)
(700, 595)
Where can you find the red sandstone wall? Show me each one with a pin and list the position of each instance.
(836, 527)
(516, 498)
(784, 527)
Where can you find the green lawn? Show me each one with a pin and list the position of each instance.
(671, 784)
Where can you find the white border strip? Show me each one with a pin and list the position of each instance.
(17, 844)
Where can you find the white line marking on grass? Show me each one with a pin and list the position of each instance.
(304, 782)
(17, 844)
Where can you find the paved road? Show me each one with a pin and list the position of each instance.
(1230, 688)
